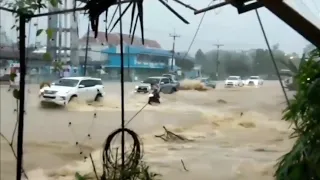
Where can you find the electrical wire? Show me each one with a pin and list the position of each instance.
(196, 33)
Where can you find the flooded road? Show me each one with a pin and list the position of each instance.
(237, 133)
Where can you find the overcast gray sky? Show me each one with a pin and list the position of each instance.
(223, 26)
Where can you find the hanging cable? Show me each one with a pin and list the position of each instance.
(122, 91)
(196, 33)
(110, 161)
(272, 57)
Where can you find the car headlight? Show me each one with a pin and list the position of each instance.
(136, 87)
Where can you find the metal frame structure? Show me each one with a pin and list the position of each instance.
(23, 18)
(279, 8)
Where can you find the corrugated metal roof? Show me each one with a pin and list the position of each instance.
(114, 39)
(153, 51)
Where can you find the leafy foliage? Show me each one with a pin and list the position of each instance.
(243, 63)
(30, 7)
(303, 161)
(185, 64)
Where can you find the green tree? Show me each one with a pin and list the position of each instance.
(303, 160)
(309, 48)
(184, 61)
(200, 57)
(32, 7)
(184, 64)
(206, 66)
(237, 63)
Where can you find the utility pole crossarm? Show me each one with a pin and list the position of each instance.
(218, 45)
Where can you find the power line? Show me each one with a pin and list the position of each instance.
(174, 36)
(196, 33)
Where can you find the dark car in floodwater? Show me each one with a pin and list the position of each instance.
(208, 82)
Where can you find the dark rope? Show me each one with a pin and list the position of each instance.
(110, 162)
(136, 114)
(272, 57)
(275, 65)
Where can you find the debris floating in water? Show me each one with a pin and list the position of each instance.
(170, 136)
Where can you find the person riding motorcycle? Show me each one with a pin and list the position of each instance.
(154, 96)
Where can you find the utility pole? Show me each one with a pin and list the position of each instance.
(174, 36)
(86, 53)
(217, 59)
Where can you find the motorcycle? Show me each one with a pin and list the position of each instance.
(154, 96)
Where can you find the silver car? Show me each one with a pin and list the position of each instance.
(165, 85)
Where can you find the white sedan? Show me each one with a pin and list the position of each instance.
(253, 81)
(233, 81)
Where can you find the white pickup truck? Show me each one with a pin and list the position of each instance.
(233, 81)
(253, 81)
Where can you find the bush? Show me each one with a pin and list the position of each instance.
(303, 161)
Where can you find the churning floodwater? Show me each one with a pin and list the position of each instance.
(236, 133)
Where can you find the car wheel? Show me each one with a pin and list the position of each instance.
(98, 98)
(73, 99)
(165, 90)
(172, 90)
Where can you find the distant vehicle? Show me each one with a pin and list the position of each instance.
(165, 84)
(64, 90)
(233, 81)
(173, 79)
(253, 81)
(208, 82)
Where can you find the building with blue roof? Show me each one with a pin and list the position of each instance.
(140, 61)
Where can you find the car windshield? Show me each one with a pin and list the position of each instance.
(151, 81)
(168, 76)
(253, 77)
(233, 78)
(66, 82)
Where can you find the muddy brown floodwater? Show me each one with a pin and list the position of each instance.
(237, 133)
